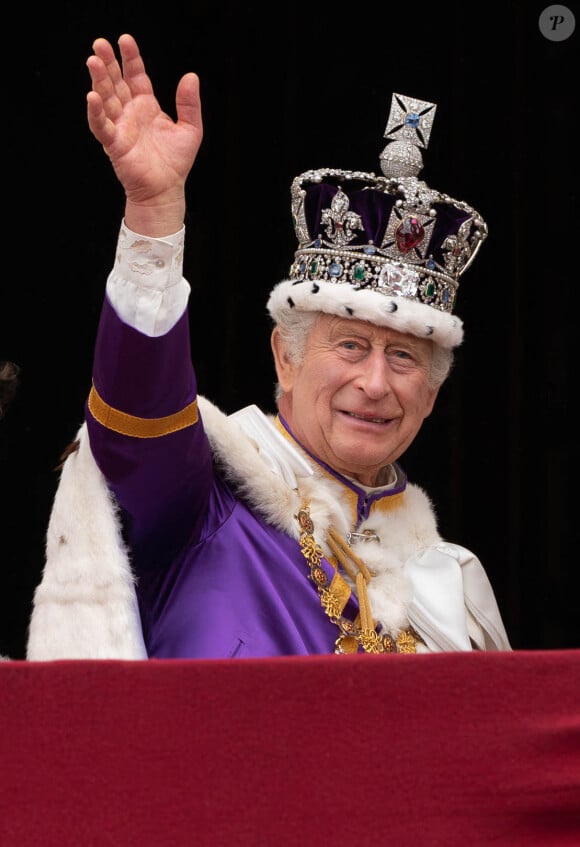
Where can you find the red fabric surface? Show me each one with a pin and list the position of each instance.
(415, 751)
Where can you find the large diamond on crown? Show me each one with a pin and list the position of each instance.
(398, 279)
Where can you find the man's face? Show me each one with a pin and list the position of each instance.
(359, 398)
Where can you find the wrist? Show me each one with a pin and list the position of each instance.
(157, 219)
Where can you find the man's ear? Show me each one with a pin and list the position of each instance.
(285, 370)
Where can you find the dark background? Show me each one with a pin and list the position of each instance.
(286, 89)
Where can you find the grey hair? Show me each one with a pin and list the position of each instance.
(295, 326)
(441, 364)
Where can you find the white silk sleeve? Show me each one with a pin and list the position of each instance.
(453, 600)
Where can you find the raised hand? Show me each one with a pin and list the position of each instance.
(151, 153)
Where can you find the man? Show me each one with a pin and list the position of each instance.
(254, 535)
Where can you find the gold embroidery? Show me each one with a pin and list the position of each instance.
(139, 427)
(331, 605)
(334, 598)
(371, 641)
(407, 641)
(341, 590)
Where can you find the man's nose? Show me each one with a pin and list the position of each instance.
(374, 378)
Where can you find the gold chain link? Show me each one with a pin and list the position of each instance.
(351, 635)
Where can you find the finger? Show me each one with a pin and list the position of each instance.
(116, 85)
(110, 94)
(188, 101)
(105, 52)
(134, 72)
(102, 128)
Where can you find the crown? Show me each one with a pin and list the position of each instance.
(387, 248)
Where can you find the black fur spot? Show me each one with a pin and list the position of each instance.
(392, 306)
(290, 302)
(315, 288)
(429, 330)
(349, 311)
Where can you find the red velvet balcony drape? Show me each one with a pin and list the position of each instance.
(418, 751)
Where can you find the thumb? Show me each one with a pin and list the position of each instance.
(188, 102)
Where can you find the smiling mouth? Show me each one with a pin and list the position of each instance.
(367, 418)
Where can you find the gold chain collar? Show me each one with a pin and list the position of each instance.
(335, 593)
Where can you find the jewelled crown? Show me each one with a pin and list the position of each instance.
(386, 249)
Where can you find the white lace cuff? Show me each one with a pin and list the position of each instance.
(146, 285)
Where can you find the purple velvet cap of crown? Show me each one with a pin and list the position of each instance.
(375, 207)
